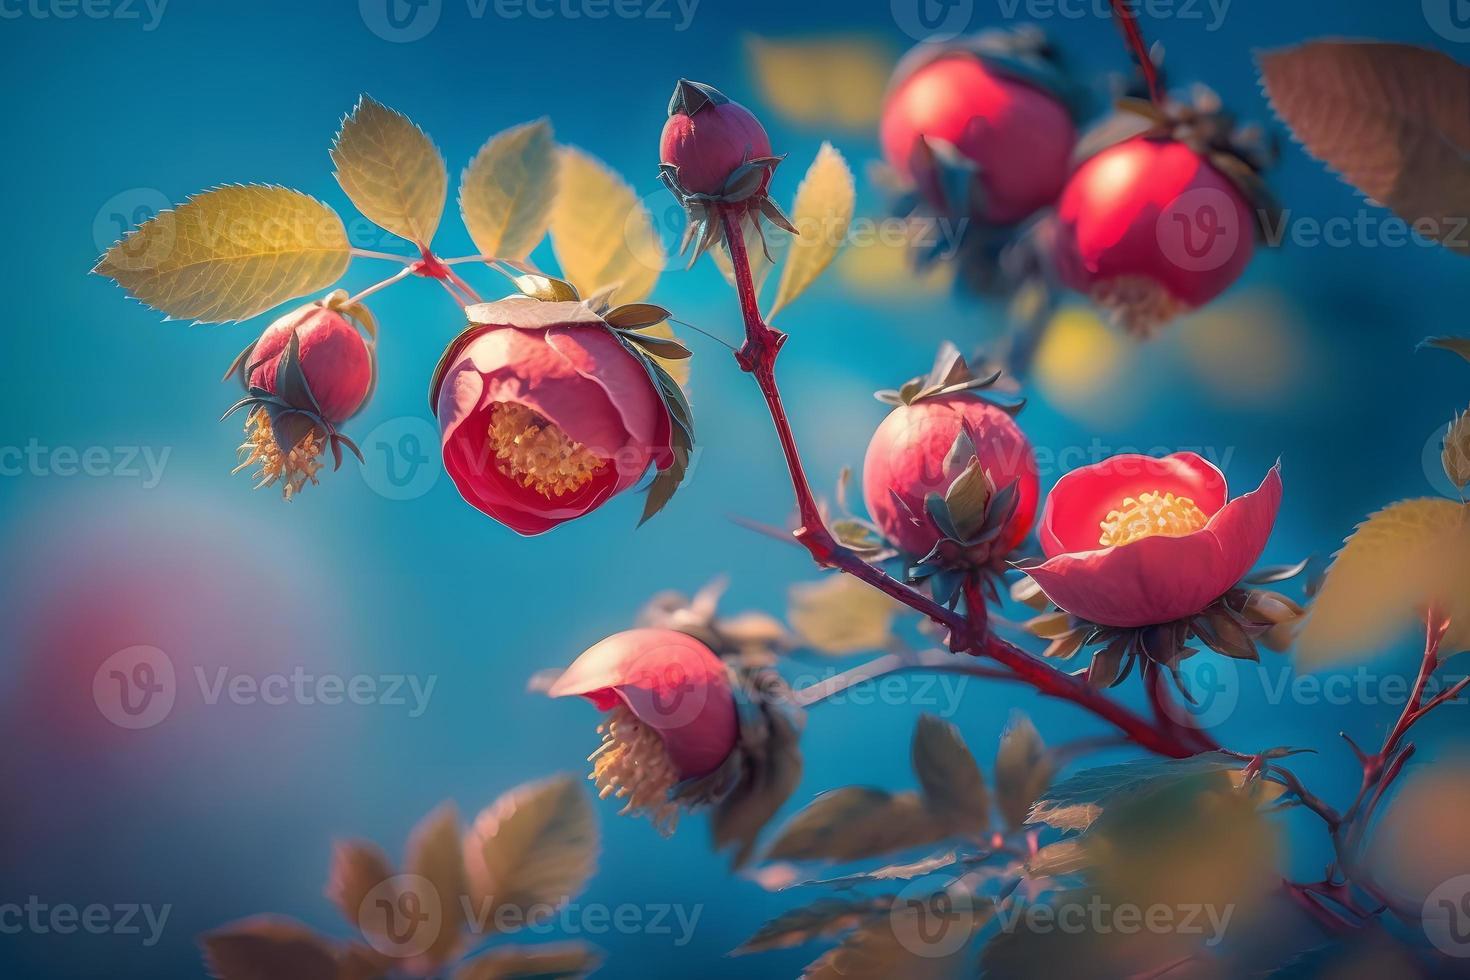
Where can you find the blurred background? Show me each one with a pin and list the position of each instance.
(122, 526)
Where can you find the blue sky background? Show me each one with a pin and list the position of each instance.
(227, 810)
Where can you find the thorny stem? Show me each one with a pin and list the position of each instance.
(1128, 21)
(757, 357)
(1380, 770)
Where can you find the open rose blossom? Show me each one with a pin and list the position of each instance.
(1138, 541)
(671, 715)
(544, 414)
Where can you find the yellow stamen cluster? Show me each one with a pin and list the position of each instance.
(632, 764)
(537, 454)
(291, 470)
(1151, 514)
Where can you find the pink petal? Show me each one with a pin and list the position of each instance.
(1160, 579)
(671, 682)
(1082, 499)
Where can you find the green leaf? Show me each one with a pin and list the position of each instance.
(855, 822)
(949, 779)
(1022, 769)
(1075, 803)
(532, 850)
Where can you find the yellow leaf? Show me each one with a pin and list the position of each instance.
(823, 82)
(230, 253)
(1456, 454)
(391, 170)
(841, 615)
(601, 232)
(822, 215)
(507, 191)
(436, 857)
(531, 850)
(1396, 563)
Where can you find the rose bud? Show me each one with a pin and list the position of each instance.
(714, 154)
(671, 716)
(311, 370)
(949, 478)
(982, 127)
(1155, 546)
(1162, 222)
(546, 412)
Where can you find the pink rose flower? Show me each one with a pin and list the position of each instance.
(671, 714)
(544, 416)
(1138, 541)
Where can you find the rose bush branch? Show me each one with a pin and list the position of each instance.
(757, 357)
(1380, 770)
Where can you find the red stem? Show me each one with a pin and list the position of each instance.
(757, 357)
(1128, 20)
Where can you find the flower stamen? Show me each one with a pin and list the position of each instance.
(1149, 515)
(292, 469)
(633, 764)
(537, 453)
